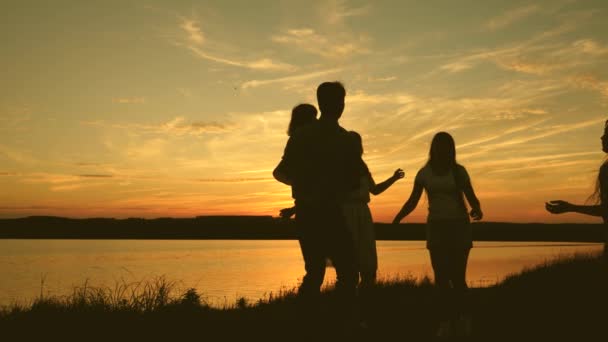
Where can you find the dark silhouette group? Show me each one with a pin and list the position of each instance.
(331, 183)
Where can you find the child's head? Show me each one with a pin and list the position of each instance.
(301, 115)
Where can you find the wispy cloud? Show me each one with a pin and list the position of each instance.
(533, 159)
(360, 97)
(546, 132)
(382, 79)
(96, 176)
(470, 59)
(88, 164)
(51, 178)
(511, 16)
(534, 68)
(311, 41)
(289, 79)
(192, 28)
(457, 66)
(234, 180)
(501, 134)
(177, 126)
(590, 82)
(196, 41)
(591, 47)
(17, 155)
(266, 171)
(129, 100)
(260, 64)
(336, 12)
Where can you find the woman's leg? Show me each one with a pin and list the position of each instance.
(458, 270)
(440, 262)
(460, 311)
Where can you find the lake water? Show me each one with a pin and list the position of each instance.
(224, 270)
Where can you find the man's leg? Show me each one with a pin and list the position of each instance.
(309, 293)
(341, 250)
(307, 222)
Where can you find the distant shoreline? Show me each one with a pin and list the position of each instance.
(268, 228)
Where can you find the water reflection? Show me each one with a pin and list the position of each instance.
(223, 271)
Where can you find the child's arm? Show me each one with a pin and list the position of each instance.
(286, 213)
(377, 189)
(411, 203)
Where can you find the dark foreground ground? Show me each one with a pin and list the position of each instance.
(562, 301)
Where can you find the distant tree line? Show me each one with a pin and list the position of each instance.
(266, 228)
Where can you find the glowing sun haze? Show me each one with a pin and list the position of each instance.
(180, 108)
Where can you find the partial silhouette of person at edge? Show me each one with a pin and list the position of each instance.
(448, 230)
(301, 115)
(320, 165)
(599, 197)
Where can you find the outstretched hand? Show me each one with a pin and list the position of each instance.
(558, 206)
(398, 174)
(287, 213)
(476, 214)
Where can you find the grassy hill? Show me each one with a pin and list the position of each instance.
(563, 300)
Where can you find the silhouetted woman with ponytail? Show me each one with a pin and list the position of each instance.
(448, 230)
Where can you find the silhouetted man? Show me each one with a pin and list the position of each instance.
(319, 163)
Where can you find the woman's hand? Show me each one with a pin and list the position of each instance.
(476, 214)
(398, 174)
(558, 206)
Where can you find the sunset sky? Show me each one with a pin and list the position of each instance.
(180, 108)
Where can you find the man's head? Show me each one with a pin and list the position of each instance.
(330, 96)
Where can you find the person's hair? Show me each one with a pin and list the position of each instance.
(357, 149)
(596, 196)
(301, 115)
(442, 154)
(330, 96)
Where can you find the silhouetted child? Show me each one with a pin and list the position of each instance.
(301, 115)
(359, 217)
(599, 196)
(448, 229)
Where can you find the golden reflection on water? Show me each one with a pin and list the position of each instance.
(223, 271)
